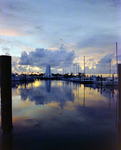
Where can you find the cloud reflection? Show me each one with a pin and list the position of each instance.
(42, 95)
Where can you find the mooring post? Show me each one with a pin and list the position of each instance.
(119, 89)
(6, 96)
(101, 84)
(101, 80)
(98, 78)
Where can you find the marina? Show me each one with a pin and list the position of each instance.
(58, 114)
(92, 79)
(60, 75)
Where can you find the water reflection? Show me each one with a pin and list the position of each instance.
(119, 134)
(68, 114)
(48, 85)
(41, 96)
(6, 125)
(7, 142)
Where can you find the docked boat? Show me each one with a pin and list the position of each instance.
(26, 78)
(15, 77)
(75, 79)
(110, 82)
(89, 80)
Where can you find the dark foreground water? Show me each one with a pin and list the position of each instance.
(63, 115)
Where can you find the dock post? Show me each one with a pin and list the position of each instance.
(98, 78)
(119, 89)
(6, 96)
(101, 84)
(101, 80)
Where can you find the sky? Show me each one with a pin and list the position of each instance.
(60, 33)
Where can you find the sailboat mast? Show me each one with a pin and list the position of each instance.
(110, 67)
(84, 65)
(117, 57)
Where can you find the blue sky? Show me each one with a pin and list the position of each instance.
(60, 33)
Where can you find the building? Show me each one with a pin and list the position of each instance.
(48, 71)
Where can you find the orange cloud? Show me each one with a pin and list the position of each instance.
(8, 32)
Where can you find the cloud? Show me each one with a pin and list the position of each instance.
(7, 32)
(92, 26)
(15, 66)
(106, 59)
(6, 50)
(103, 65)
(98, 41)
(42, 57)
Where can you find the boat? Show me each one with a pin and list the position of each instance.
(75, 79)
(89, 80)
(26, 78)
(110, 82)
(15, 77)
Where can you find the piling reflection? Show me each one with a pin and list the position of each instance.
(6, 118)
(119, 123)
(7, 142)
(119, 134)
(6, 125)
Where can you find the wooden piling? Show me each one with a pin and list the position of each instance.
(119, 89)
(6, 95)
(101, 80)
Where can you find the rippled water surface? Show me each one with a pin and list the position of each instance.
(63, 115)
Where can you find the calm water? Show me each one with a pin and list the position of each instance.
(63, 115)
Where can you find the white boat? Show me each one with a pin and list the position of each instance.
(75, 79)
(89, 80)
(110, 82)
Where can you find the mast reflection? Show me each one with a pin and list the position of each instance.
(84, 97)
